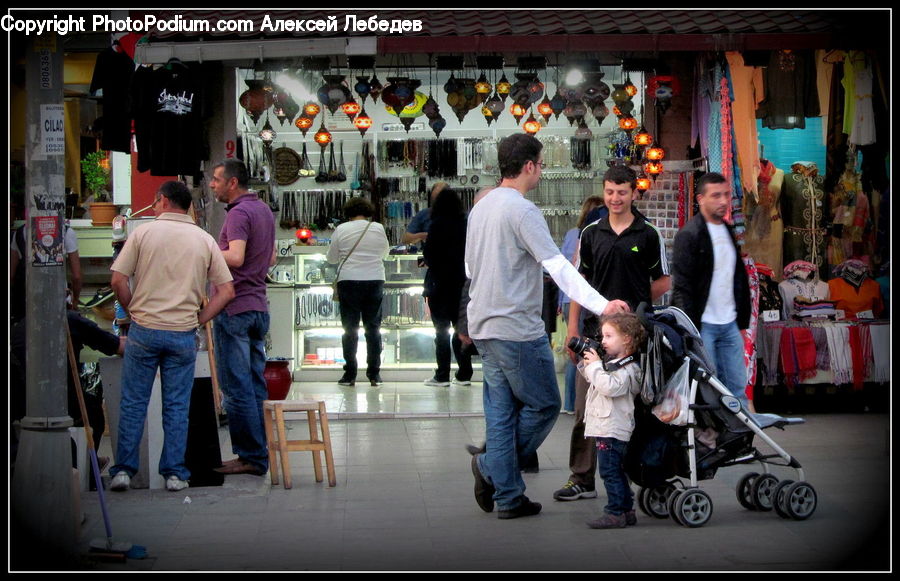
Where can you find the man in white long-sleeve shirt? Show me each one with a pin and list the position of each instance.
(508, 245)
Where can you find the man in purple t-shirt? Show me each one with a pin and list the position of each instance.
(248, 244)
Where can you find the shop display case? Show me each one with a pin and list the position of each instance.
(315, 322)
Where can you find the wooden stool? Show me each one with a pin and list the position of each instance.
(282, 445)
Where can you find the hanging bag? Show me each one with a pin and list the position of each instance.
(673, 409)
(334, 285)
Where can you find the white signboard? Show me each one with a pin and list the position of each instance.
(53, 137)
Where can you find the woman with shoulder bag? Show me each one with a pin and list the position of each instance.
(359, 247)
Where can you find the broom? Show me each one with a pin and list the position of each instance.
(102, 547)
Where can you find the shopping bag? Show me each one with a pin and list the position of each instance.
(673, 409)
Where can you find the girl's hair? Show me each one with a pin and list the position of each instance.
(629, 325)
(589, 204)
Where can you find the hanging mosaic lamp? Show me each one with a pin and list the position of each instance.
(303, 123)
(495, 105)
(431, 108)
(267, 134)
(351, 109)
(630, 89)
(643, 183)
(488, 115)
(583, 131)
(654, 168)
(628, 123)
(333, 93)
(662, 88)
(532, 125)
(655, 153)
(483, 87)
(545, 109)
(311, 109)
(398, 93)
(451, 86)
(642, 138)
(600, 112)
(503, 87)
(375, 87)
(437, 125)
(557, 103)
(594, 90)
(518, 111)
(362, 122)
(620, 95)
(255, 100)
(362, 88)
(323, 136)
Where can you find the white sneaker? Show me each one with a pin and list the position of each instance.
(121, 481)
(435, 383)
(455, 381)
(175, 483)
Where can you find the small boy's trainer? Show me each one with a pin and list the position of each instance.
(174, 483)
(461, 382)
(436, 383)
(121, 481)
(572, 491)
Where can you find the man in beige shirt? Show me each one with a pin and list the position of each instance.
(168, 262)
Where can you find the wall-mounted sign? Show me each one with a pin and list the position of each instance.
(46, 241)
(53, 136)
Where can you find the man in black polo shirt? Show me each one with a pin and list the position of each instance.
(622, 256)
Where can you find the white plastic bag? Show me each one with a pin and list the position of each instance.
(673, 409)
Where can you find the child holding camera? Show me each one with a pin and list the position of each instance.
(609, 412)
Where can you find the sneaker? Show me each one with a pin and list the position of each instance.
(461, 382)
(527, 508)
(609, 521)
(630, 518)
(174, 483)
(376, 381)
(572, 491)
(347, 381)
(121, 481)
(436, 383)
(484, 490)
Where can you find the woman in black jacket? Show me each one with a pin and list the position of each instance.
(445, 257)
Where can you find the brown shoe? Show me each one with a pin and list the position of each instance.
(240, 467)
(230, 462)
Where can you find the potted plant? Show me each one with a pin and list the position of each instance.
(95, 170)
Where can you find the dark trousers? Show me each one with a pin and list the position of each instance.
(444, 316)
(361, 299)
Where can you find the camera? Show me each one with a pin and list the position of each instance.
(581, 344)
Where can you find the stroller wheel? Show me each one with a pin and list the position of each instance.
(693, 508)
(655, 500)
(744, 492)
(670, 506)
(800, 500)
(761, 491)
(778, 498)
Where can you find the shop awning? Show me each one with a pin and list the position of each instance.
(522, 31)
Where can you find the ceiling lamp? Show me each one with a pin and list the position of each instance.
(655, 153)
(643, 183)
(532, 126)
(375, 87)
(267, 134)
(600, 112)
(628, 123)
(323, 137)
(545, 109)
(642, 138)
(351, 109)
(362, 122)
(437, 124)
(495, 105)
(362, 88)
(304, 123)
(488, 115)
(630, 88)
(503, 87)
(518, 111)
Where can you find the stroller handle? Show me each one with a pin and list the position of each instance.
(641, 313)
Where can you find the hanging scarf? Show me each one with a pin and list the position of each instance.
(839, 353)
(798, 355)
(766, 173)
(750, 334)
(857, 355)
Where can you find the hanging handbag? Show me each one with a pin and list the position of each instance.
(334, 285)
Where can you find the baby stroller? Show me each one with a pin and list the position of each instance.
(688, 425)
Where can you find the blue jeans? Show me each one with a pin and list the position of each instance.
(521, 404)
(361, 299)
(725, 346)
(241, 363)
(610, 462)
(173, 353)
